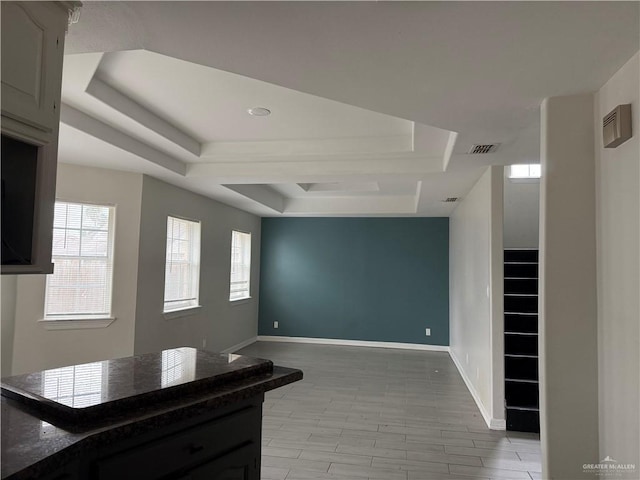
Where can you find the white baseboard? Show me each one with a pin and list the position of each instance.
(492, 423)
(240, 345)
(498, 424)
(354, 343)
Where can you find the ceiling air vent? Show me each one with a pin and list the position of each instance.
(450, 199)
(488, 148)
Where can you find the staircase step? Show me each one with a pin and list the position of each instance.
(515, 322)
(521, 270)
(520, 285)
(521, 420)
(513, 255)
(520, 344)
(524, 395)
(521, 304)
(521, 368)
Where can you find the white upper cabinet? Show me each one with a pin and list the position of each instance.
(31, 76)
(32, 53)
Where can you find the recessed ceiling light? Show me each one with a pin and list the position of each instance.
(259, 112)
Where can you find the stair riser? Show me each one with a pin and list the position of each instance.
(520, 344)
(523, 421)
(516, 285)
(521, 256)
(521, 304)
(521, 323)
(521, 270)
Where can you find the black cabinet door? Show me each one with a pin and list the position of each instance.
(241, 464)
(184, 451)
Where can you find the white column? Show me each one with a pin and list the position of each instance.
(568, 309)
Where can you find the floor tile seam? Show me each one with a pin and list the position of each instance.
(408, 467)
(440, 462)
(372, 467)
(354, 455)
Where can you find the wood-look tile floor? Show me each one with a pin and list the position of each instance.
(383, 414)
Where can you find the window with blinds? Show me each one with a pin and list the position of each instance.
(182, 270)
(240, 265)
(82, 253)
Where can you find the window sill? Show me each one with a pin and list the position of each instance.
(183, 312)
(524, 180)
(76, 323)
(240, 301)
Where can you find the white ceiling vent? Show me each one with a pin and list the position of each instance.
(450, 199)
(487, 148)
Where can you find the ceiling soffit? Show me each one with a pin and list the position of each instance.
(339, 175)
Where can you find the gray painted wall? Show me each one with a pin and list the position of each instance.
(219, 324)
(8, 317)
(521, 213)
(37, 347)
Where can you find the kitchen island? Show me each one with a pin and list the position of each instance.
(181, 413)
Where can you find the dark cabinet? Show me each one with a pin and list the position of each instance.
(69, 472)
(222, 445)
(206, 443)
(236, 465)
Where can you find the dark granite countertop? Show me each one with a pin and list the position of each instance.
(89, 394)
(36, 441)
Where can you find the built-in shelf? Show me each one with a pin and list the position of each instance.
(521, 333)
(520, 380)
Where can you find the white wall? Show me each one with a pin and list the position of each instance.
(36, 348)
(521, 212)
(8, 290)
(476, 276)
(219, 323)
(567, 296)
(618, 238)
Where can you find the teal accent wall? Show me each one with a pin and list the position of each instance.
(376, 279)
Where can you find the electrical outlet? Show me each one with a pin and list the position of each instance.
(427, 332)
(467, 359)
(275, 324)
(478, 373)
(204, 343)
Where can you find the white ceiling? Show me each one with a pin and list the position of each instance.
(374, 104)
(211, 105)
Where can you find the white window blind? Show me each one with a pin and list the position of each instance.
(178, 366)
(524, 171)
(240, 265)
(182, 270)
(78, 386)
(82, 253)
